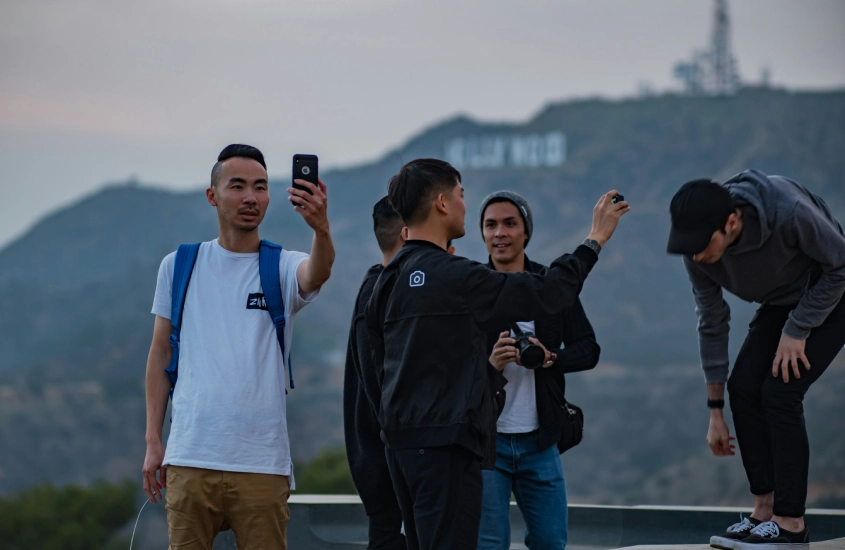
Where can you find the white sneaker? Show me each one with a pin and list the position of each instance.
(735, 532)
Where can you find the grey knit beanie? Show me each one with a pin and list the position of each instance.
(518, 201)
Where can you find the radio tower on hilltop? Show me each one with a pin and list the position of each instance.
(724, 71)
(712, 72)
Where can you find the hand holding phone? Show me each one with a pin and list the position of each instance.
(310, 201)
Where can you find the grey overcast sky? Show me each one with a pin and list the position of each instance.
(93, 91)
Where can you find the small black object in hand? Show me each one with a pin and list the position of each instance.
(617, 198)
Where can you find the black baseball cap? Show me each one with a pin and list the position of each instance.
(698, 209)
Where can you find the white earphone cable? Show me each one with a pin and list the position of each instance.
(132, 540)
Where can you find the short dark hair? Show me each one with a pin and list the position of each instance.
(387, 225)
(417, 183)
(235, 150)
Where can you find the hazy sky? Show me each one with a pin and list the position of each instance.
(93, 91)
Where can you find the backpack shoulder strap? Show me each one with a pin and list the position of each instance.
(268, 270)
(186, 257)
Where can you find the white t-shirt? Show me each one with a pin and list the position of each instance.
(520, 412)
(229, 402)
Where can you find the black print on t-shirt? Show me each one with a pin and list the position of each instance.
(256, 301)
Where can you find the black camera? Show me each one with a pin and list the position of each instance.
(531, 355)
(617, 198)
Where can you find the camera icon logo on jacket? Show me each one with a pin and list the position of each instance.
(417, 278)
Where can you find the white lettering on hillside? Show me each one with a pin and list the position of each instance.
(513, 151)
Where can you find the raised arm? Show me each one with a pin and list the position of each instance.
(316, 270)
(157, 386)
(497, 298)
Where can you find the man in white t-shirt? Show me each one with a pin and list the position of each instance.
(227, 463)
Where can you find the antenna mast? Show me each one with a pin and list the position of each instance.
(723, 67)
(712, 72)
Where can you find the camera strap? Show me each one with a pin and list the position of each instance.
(516, 330)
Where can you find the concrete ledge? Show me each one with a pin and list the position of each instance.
(338, 522)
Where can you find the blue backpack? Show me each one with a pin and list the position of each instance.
(268, 271)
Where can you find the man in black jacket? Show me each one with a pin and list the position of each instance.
(529, 428)
(361, 397)
(427, 320)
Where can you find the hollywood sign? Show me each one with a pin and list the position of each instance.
(513, 151)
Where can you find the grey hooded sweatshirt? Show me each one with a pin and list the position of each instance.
(791, 252)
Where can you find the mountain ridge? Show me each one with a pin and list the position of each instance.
(77, 288)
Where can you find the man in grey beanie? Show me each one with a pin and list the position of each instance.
(517, 200)
(529, 429)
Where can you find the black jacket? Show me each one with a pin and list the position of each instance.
(428, 320)
(361, 395)
(580, 352)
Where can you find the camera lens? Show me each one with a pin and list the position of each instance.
(532, 356)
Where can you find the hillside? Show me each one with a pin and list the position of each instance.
(77, 289)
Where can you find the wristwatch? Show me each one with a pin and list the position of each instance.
(551, 361)
(715, 403)
(592, 244)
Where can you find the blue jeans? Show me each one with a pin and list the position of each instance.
(536, 479)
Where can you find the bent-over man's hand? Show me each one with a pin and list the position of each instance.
(504, 352)
(152, 464)
(313, 207)
(719, 438)
(789, 352)
(606, 216)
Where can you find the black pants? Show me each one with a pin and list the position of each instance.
(439, 492)
(769, 414)
(385, 529)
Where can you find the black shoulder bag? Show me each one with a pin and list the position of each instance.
(573, 422)
(572, 430)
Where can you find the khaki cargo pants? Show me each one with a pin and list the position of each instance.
(202, 503)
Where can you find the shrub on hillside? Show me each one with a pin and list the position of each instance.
(66, 518)
(327, 474)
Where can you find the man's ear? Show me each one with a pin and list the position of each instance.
(404, 233)
(440, 203)
(210, 196)
(733, 221)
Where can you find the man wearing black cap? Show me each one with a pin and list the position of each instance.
(767, 240)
